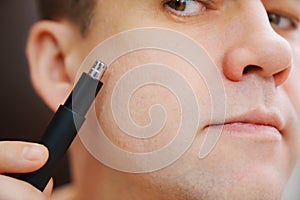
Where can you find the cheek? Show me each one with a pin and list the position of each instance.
(152, 105)
(292, 84)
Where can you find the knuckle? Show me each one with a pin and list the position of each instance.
(18, 190)
(13, 157)
(8, 155)
(31, 196)
(31, 193)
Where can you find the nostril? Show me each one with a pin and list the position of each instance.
(279, 77)
(282, 76)
(251, 68)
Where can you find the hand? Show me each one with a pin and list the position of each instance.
(21, 157)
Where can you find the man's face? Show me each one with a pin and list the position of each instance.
(250, 43)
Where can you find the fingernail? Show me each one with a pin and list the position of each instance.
(33, 153)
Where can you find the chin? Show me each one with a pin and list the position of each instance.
(230, 179)
(265, 186)
(257, 182)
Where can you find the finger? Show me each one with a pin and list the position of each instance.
(19, 157)
(49, 188)
(13, 189)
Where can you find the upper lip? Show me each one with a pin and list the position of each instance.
(257, 117)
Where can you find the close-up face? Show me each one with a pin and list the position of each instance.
(253, 45)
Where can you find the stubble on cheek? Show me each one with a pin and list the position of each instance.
(145, 97)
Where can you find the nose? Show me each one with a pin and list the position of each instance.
(256, 48)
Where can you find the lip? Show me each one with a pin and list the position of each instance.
(256, 124)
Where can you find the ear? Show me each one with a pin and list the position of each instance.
(47, 48)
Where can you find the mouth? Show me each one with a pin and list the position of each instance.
(255, 124)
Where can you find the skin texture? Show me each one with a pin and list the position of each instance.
(255, 59)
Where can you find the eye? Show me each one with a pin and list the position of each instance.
(282, 22)
(185, 7)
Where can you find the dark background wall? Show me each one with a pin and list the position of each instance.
(23, 114)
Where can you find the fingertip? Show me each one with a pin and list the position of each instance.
(49, 188)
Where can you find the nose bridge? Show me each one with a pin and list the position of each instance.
(255, 43)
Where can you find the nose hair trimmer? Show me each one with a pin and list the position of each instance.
(66, 123)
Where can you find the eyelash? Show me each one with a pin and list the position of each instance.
(196, 8)
(199, 7)
(292, 23)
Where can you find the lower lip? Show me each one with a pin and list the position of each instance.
(247, 130)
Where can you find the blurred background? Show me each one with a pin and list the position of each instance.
(23, 114)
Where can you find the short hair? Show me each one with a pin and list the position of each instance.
(78, 11)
